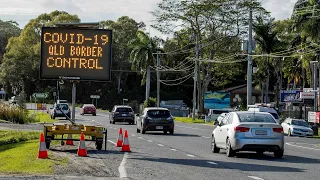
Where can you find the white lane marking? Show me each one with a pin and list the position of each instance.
(140, 137)
(213, 163)
(206, 137)
(303, 147)
(160, 145)
(112, 142)
(122, 168)
(133, 135)
(255, 177)
(190, 155)
(150, 141)
(173, 150)
(191, 128)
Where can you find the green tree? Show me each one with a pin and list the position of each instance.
(142, 56)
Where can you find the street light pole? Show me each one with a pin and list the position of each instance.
(195, 81)
(315, 63)
(249, 73)
(158, 80)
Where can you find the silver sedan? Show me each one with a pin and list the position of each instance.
(248, 131)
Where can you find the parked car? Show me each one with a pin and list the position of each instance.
(57, 108)
(62, 101)
(222, 115)
(49, 109)
(122, 114)
(155, 119)
(88, 109)
(296, 127)
(248, 131)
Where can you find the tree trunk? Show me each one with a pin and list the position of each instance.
(262, 93)
(119, 82)
(148, 83)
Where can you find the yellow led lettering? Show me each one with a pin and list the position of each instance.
(51, 50)
(97, 64)
(46, 38)
(48, 62)
(94, 51)
(75, 62)
(83, 51)
(99, 52)
(64, 40)
(83, 63)
(71, 39)
(78, 51)
(105, 39)
(58, 62)
(92, 63)
(80, 39)
(66, 61)
(96, 40)
(88, 51)
(55, 38)
(72, 50)
(58, 52)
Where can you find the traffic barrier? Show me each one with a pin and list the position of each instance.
(82, 150)
(69, 140)
(125, 145)
(120, 138)
(43, 153)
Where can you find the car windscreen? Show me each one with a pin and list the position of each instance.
(158, 113)
(255, 117)
(63, 106)
(299, 123)
(124, 110)
(275, 115)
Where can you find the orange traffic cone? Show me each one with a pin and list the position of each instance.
(82, 151)
(120, 138)
(69, 140)
(43, 153)
(125, 145)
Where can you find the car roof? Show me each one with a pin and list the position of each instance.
(250, 112)
(296, 119)
(156, 108)
(122, 106)
(88, 104)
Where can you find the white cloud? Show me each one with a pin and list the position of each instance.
(96, 10)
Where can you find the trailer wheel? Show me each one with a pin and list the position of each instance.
(99, 145)
(48, 144)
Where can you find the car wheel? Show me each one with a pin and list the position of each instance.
(165, 132)
(171, 131)
(94, 114)
(260, 153)
(278, 154)
(53, 117)
(113, 122)
(214, 148)
(229, 151)
(289, 133)
(138, 130)
(143, 131)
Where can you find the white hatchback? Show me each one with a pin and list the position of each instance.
(248, 131)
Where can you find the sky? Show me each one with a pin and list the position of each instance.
(96, 10)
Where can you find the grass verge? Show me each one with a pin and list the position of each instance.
(21, 158)
(41, 116)
(19, 151)
(189, 120)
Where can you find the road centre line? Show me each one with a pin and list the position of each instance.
(303, 147)
(140, 137)
(190, 155)
(133, 135)
(213, 163)
(255, 177)
(173, 150)
(150, 141)
(160, 145)
(122, 168)
(111, 142)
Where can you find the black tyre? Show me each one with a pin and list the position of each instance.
(138, 130)
(94, 114)
(113, 122)
(171, 131)
(143, 131)
(48, 144)
(260, 153)
(53, 117)
(278, 154)
(289, 133)
(165, 132)
(229, 151)
(98, 145)
(214, 148)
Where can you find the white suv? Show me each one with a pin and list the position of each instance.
(264, 108)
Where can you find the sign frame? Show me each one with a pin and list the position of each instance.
(42, 95)
(94, 96)
(291, 93)
(76, 78)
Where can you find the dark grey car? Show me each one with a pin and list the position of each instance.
(155, 119)
(122, 114)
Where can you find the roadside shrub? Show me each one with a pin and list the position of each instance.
(151, 102)
(11, 137)
(15, 114)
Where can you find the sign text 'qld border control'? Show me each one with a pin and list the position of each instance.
(76, 54)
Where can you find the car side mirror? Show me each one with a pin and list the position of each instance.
(137, 114)
(288, 123)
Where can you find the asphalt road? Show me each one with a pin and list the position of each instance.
(187, 155)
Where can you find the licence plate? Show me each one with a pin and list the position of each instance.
(159, 127)
(124, 115)
(261, 132)
(75, 128)
(89, 111)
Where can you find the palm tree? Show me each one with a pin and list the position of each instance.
(267, 39)
(143, 49)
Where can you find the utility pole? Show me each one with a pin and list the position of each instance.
(58, 91)
(195, 81)
(158, 80)
(315, 69)
(249, 73)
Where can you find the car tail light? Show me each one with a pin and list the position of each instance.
(278, 130)
(55, 111)
(241, 129)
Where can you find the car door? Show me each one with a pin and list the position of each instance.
(227, 123)
(218, 132)
(285, 126)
